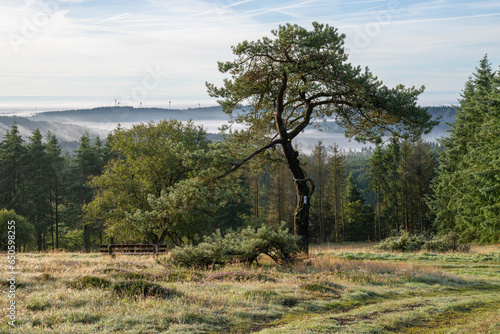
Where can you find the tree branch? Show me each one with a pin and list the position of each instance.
(239, 165)
(281, 108)
(302, 125)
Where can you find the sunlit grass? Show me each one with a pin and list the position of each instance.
(339, 288)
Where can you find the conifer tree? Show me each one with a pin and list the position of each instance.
(338, 172)
(358, 217)
(12, 159)
(319, 172)
(392, 184)
(299, 76)
(377, 176)
(467, 192)
(37, 188)
(56, 171)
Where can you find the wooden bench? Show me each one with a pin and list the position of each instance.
(132, 249)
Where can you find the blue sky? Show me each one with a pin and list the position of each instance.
(73, 53)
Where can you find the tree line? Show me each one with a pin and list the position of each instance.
(46, 191)
(140, 185)
(166, 182)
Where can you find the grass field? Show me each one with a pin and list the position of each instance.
(339, 289)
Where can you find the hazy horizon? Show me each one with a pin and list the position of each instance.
(71, 54)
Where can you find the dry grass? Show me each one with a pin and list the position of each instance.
(475, 249)
(340, 288)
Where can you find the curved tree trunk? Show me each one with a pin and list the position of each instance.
(303, 190)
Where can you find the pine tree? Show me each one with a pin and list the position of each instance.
(12, 158)
(37, 189)
(359, 218)
(422, 171)
(319, 173)
(87, 163)
(377, 175)
(392, 184)
(55, 172)
(338, 171)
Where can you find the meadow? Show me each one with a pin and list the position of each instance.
(338, 289)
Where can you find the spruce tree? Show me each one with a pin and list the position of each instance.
(319, 172)
(12, 158)
(466, 189)
(338, 172)
(37, 189)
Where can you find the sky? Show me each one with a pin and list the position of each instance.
(60, 54)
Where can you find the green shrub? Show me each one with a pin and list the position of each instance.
(406, 242)
(24, 230)
(201, 256)
(243, 246)
(445, 243)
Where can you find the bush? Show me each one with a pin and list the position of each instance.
(24, 230)
(445, 243)
(406, 242)
(213, 250)
(244, 246)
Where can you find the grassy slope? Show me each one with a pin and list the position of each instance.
(337, 290)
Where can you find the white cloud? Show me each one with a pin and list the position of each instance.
(84, 49)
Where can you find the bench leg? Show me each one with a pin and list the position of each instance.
(110, 251)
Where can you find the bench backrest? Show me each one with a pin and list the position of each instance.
(133, 249)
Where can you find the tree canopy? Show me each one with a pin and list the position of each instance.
(279, 85)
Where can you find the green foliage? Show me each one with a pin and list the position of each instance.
(468, 184)
(359, 218)
(401, 174)
(311, 67)
(445, 243)
(243, 246)
(299, 76)
(12, 160)
(150, 160)
(24, 231)
(406, 242)
(158, 186)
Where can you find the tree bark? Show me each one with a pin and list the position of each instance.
(304, 188)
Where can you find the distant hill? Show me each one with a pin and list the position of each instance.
(446, 115)
(65, 132)
(130, 114)
(70, 125)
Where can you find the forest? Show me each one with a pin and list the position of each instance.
(143, 184)
(168, 182)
